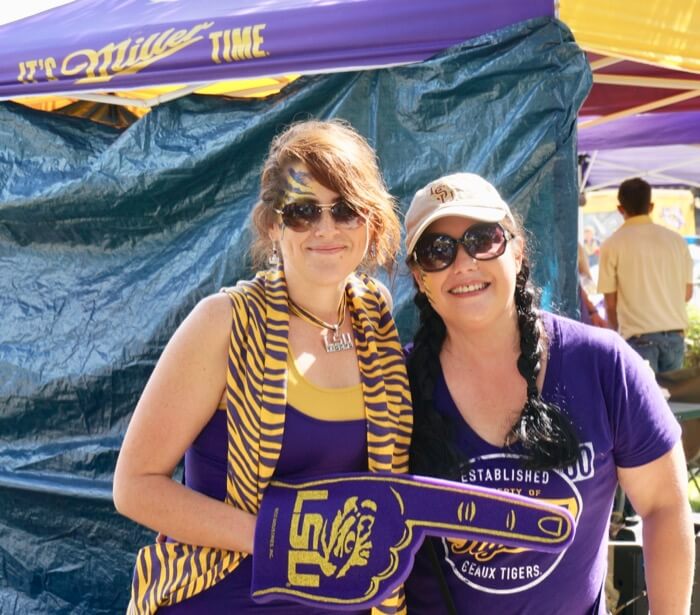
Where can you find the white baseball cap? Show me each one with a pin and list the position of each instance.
(465, 195)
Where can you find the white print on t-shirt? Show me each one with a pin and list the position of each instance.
(495, 568)
(584, 468)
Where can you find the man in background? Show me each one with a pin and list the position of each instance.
(591, 245)
(645, 275)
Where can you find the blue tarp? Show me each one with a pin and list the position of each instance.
(108, 239)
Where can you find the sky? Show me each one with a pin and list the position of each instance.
(12, 11)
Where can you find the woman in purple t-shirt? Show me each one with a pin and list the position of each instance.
(512, 398)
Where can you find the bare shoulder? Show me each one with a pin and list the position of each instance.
(196, 353)
(216, 307)
(210, 318)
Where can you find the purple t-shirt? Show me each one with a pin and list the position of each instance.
(621, 419)
(310, 447)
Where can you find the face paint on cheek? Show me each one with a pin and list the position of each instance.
(297, 185)
(426, 286)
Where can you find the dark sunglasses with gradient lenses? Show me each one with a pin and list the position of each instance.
(301, 215)
(484, 242)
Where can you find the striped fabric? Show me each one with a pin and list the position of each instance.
(256, 394)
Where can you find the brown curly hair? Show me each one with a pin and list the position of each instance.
(340, 159)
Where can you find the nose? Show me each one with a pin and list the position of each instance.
(326, 223)
(463, 261)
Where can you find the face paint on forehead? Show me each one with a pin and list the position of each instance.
(298, 184)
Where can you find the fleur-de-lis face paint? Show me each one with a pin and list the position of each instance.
(301, 209)
(349, 540)
(423, 283)
(298, 185)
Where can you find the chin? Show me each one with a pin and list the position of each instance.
(328, 275)
(473, 318)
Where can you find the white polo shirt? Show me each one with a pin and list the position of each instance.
(649, 267)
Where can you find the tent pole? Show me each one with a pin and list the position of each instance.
(647, 82)
(605, 62)
(591, 162)
(657, 104)
(112, 100)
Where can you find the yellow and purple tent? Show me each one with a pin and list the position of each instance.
(642, 116)
(136, 55)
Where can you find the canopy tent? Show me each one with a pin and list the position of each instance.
(651, 145)
(202, 46)
(109, 237)
(645, 59)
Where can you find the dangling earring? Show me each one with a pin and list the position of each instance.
(372, 251)
(273, 260)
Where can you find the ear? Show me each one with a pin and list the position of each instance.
(651, 208)
(418, 276)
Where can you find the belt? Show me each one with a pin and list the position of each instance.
(671, 331)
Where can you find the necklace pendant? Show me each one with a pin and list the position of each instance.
(337, 342)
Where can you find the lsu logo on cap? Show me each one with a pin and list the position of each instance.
(442, 192)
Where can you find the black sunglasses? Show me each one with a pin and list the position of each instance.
(484, 242)
(301, 215)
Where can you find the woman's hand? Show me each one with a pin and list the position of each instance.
(597, 320)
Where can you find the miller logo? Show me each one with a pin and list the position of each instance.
(442, 192)
(134, 54)
(335, 549)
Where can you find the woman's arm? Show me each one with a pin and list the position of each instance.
(179, 399)
(658, 493)
(596, 319)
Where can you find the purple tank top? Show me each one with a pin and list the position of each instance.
(311, 447)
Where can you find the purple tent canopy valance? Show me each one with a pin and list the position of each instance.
(649, 129)
(93, 45)
(656, 146)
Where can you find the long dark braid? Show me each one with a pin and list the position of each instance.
(543, 430)
(432, 450)
(545, 433)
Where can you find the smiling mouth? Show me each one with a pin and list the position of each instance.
(468, 288)
(327, 249)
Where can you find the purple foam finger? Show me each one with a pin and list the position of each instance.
(345, 542)
(471, 512)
